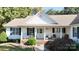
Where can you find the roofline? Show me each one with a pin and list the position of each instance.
(39, 26)
(63, 14)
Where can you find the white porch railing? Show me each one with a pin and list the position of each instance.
(41, 35)
(48, 35)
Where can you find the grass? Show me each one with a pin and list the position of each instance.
(77, 44)
(7, 48)
(11, 47)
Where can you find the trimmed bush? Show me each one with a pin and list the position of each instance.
(64, 44)
(17, 40)
(31, 41)
(14, 40)
(3, 37)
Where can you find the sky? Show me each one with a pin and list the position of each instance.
(54, 8)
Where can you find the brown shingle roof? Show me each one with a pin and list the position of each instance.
(76, 20)
(17, 22)
(62, 20)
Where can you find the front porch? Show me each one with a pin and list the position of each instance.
(44, 33)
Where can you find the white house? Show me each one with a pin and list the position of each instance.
(42, 25)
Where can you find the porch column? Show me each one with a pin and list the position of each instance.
(71, 32)
(44, 33)
(21, 35)
(35, 32)
(61, 32)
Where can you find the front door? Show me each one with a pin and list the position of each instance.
(40, 33)
(58, 32)
(30, 31)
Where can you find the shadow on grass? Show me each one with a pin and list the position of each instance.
(14, 48)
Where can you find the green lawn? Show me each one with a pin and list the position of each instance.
(14, 48)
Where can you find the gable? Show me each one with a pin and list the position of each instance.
(46, 18)
(76, 20)
(40, 19)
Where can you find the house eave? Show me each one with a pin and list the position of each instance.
(40, 26)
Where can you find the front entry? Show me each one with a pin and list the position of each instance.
(58, 32)
(30, 31)
(40, 33)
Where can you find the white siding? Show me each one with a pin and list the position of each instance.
(11, 36)
(14, 37)
(71, 32)
(8, 32)
(40, 35)
(48, 31)
(75, 38)
(23, 32)
(68, 31)
(75, 25)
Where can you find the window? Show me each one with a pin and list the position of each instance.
(58, 30)
(63, 30)
(15, 31)
(39, 31)
(53, 30)
(30, 31)
(74, 32)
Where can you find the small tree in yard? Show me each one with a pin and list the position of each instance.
(3, 37)
(31, 41)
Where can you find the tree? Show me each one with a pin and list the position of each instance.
(71, 10)
(52, 12)
(66, 10)
(9, 13)
(36, 9)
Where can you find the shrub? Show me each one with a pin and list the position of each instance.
(31, 41)
(14, 40)
(66, 36)
(17, 40)
(61, 45)
(3, 37)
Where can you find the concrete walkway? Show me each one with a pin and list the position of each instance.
(40, 48)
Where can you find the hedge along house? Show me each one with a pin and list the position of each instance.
(41, 26)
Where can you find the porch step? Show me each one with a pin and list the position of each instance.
(41, 42)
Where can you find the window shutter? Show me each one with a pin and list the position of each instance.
(10, 31)
(73, 32)
(53, 30)
(64, 30)
(19, 31)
